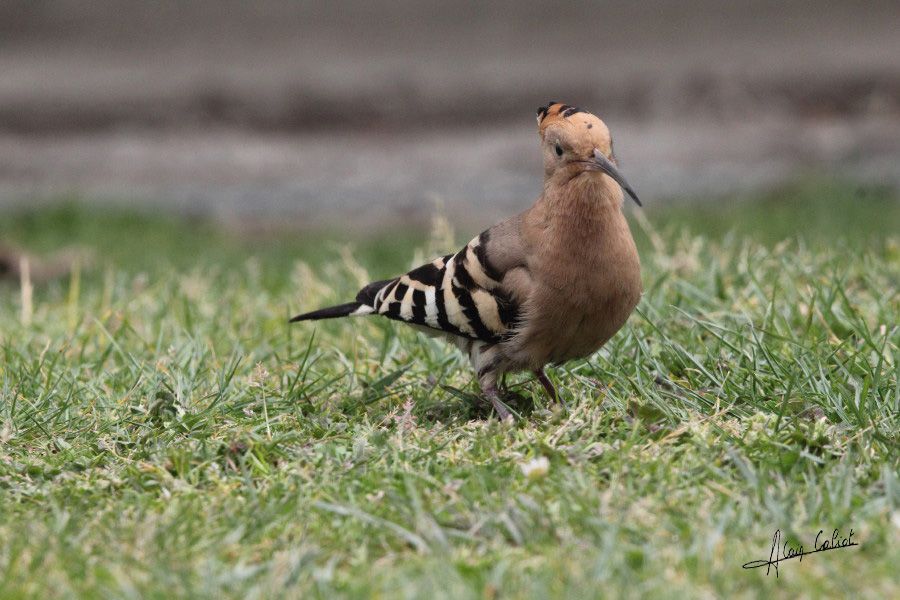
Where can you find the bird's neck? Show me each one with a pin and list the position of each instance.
(582, 238)
(587, 201)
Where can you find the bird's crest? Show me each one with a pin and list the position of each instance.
(555, 111)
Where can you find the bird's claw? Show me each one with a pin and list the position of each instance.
(503, 412)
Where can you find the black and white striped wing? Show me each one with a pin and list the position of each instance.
(458, 294)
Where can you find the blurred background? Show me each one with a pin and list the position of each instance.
(322, 114)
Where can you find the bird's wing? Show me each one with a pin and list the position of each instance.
(461, 294)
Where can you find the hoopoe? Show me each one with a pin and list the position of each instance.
(546, 286)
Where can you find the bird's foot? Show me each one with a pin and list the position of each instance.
(499, 406)
(550, 389)
(598, 384)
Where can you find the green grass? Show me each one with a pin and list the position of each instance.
(164, 433)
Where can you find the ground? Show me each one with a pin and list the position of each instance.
(164, 432)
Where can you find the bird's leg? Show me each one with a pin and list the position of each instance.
(502, 412)
(486, 361)
(548, 385)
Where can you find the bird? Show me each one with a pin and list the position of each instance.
(551, 284)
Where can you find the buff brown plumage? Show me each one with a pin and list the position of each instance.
(549, 285)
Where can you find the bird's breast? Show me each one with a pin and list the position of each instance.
(582, 318)
(586, 289)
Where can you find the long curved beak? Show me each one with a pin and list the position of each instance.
(603, 164)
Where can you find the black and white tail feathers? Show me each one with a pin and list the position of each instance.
(365, 301)
(458, 294)
(331, 312)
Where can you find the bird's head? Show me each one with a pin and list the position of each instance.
(575, 142)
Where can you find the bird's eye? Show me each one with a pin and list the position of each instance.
(559, 150)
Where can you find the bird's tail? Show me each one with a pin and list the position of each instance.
(333, 312)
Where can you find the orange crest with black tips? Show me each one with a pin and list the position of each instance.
(555, 111)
